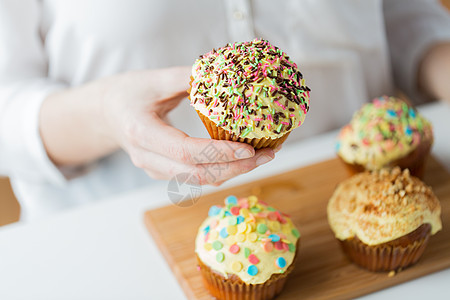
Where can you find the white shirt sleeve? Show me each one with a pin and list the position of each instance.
(23, 87)
(412, 27)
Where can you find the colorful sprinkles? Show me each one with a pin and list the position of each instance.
(247, 234)
(250, 87)
(381, 131)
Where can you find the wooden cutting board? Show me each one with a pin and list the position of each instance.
(322, 271)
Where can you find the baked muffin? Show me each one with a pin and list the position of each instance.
(249, 92)
(383, 219)
(386, 132)
(246, 249)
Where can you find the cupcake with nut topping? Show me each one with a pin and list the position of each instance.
(246, 249)
(386, 132)
(384, 219)
(249, 92)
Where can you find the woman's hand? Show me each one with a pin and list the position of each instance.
(128, 111)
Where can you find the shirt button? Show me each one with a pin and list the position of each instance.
(238, 15)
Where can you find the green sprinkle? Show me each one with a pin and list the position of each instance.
(291, 247)
(261, 228)
(255, 209)
(270, 208)
(217, 245)
(246, 252)
(220, 256)
(295, 233)
(232, 220)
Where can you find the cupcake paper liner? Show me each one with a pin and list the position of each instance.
(384, 257)
(219, 133)
(233, 288)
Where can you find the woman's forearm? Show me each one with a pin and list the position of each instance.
(434, 73)
(72, 127)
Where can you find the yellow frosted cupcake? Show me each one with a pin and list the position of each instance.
(383, 219)
(386, 132)
(246, 249)
(249, 92)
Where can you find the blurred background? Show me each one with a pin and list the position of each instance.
(10, 208)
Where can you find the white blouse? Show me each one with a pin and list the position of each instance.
(343, 48)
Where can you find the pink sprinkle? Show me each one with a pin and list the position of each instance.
(280, 105)
(285, 123)
(269, 126)
(269, 117)
(291, 115)
(234, 249)
(299, 123)
(258, 119)
(253, 259)
(279, 245)
(262, 202)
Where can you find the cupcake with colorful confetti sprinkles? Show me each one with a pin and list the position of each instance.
(246, 249)
(249, 92)
(386, 132)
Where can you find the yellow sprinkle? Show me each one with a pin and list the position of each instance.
(252, 200)
(286, 230)
(240, 237)
(208, 246)
(286, 241)
(244, 212)
(230, 240)
(213, 234)
(232, 229)
(274, 226)
(252, 237)
(236, 266)
(241, 228)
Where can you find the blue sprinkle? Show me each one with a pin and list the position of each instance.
(412, 112)
(281, 262)
(227, 213)
(223, 232)
(206, 229)
(231, 200)
(252, 270)
(337, 146)
(240, 219)
(274, 237)
(408, 130)
(214, 211)
(391, 113)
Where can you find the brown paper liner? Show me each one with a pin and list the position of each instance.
(390, 256)
(233, 288)
(415, 161)
(219, 133)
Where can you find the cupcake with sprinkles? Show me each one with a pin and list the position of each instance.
(246, 249)
(249, 92)
(385, 133)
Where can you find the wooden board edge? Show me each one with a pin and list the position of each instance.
(159, 241)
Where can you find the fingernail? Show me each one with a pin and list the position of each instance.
(243, 153)
(263, 159)
(277, 149)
